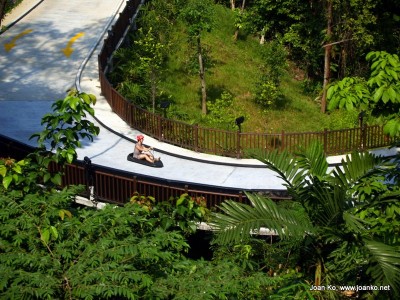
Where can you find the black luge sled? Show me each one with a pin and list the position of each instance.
(156, 164)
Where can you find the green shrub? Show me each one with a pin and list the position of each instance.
(267, 94)
(343, 119)
(221, 113)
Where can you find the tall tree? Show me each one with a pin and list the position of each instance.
(160, 14)
(239, 17)
(199, 17)
(138, 67)
(349, 34)
(346, 30)
(151, 56)
(328, 53)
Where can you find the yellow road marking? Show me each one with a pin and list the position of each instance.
(12, 44)
(68, 49)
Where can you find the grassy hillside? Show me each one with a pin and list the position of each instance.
(235, 68)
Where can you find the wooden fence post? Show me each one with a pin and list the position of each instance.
(196, 136)
(283, 140)
(159, 128)
(134, 114)
(110, 94)
(238, 145)
(325, 140)
(363, 136)
(134, 184)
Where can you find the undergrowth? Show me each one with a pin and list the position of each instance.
(234, 68)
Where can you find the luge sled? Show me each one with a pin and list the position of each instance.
(156, 164)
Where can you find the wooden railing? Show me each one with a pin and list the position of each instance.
(118, 187)
(115, 186)
(221, 142)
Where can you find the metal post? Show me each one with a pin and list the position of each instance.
(89, 178)
(238, 123)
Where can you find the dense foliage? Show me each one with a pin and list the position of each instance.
(342, 225)
(357, 28)
(377, 96)
(341, 229)
(52, 248)
(138, 68)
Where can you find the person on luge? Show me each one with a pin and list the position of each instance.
(142, 152)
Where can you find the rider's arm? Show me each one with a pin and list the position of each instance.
(143, 148)
(147, 149)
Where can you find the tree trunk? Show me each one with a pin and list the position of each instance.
(243, 4)
(318, 273)
(343, 63)
(235, 36)
(202, 78)
(327, 62)
(233, 4)
(2, 9)
(262, 35)
(153, 89)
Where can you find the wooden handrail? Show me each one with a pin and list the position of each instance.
(222, 142)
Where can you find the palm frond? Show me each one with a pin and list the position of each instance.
(239, 220)
(386, 261)
(313, 160)
(326, 204)
(354, 223)
(284, 164)
(297, 170)
(355, 167)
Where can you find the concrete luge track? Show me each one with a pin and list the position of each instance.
(38, 66)
(54, 48)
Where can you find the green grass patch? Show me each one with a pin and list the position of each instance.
(234, 66)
